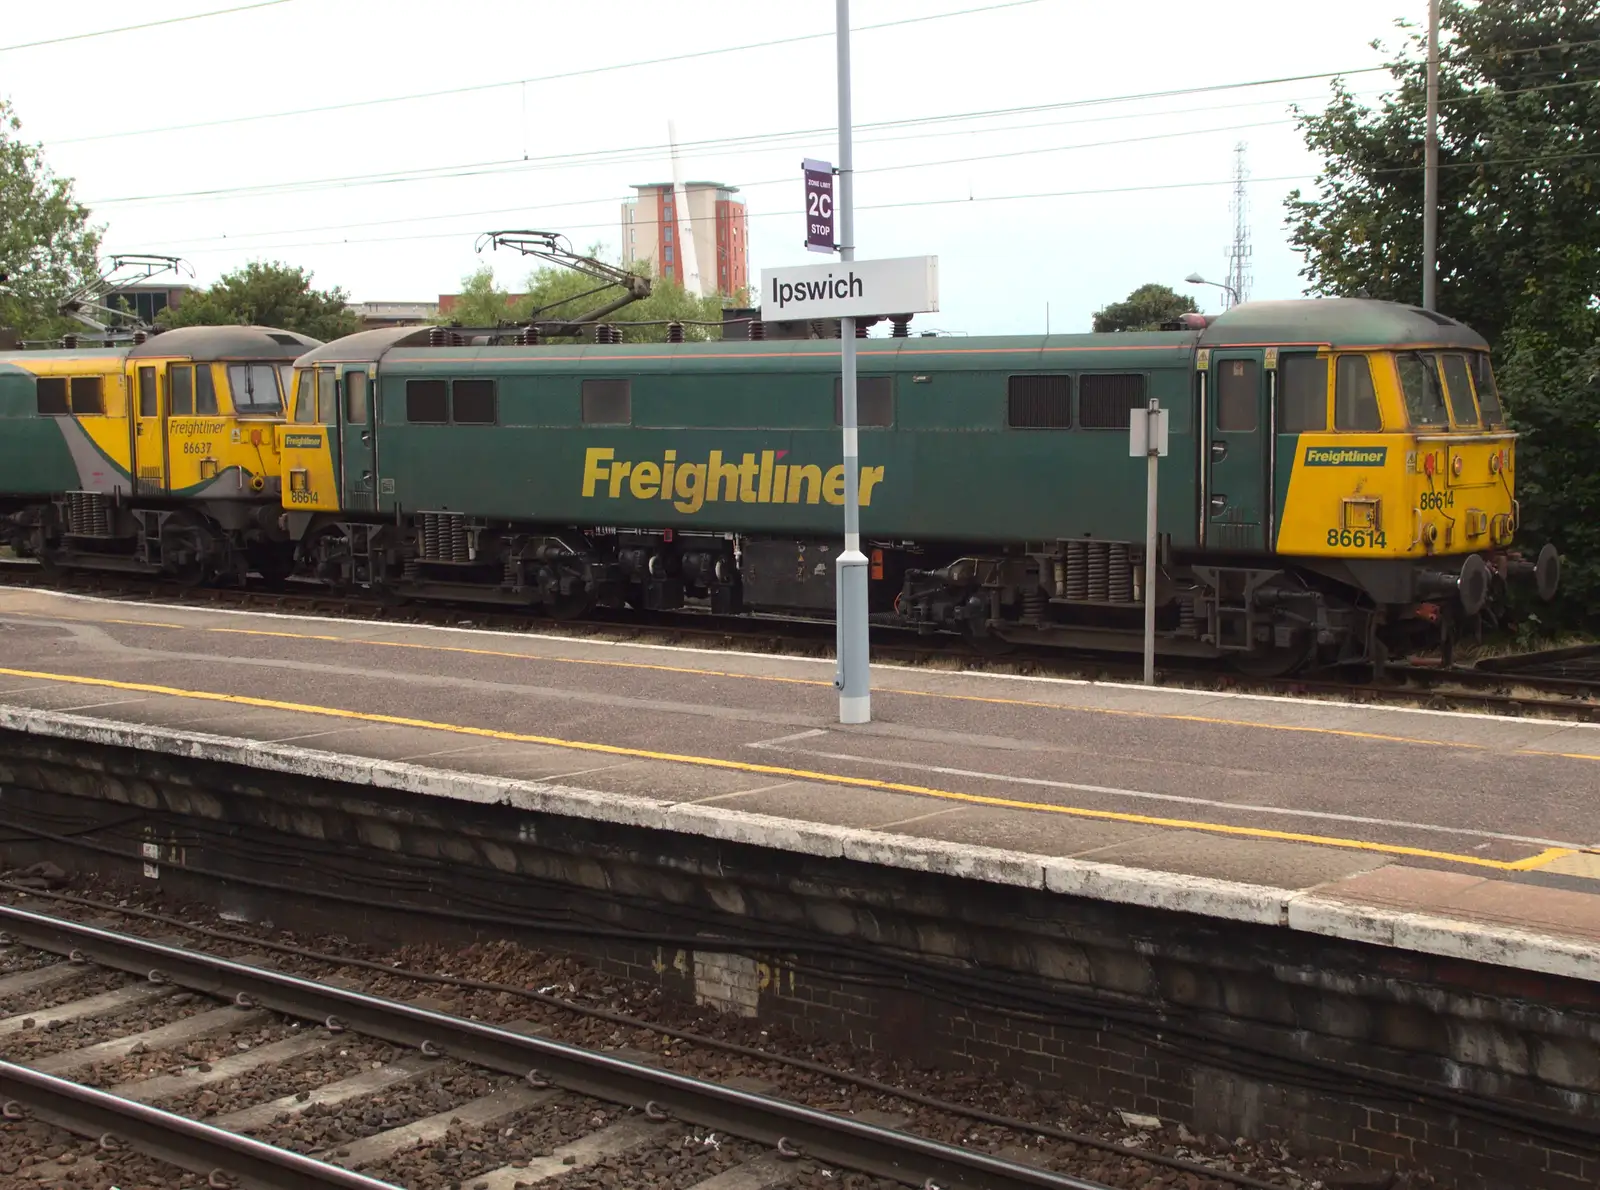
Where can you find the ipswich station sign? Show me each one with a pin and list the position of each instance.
(853, 289)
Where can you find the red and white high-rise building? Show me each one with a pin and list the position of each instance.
(653, 227)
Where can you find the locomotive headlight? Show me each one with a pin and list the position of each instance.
(1494, 463)
(1456, 464)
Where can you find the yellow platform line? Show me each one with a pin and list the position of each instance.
(1528, 863)
(945, 696)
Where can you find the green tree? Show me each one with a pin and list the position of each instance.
(642, 321)
(262, 294)
(1145, 309)
(482, 303)
(47, 245)
(1519, 230)
(554, 293)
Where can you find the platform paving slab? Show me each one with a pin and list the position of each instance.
(1266, 808)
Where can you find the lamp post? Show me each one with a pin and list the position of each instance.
(1197, 279)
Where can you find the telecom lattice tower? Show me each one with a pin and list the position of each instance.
(1239, 250)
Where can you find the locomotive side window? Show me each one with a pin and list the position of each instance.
(1106, 400)
(1419, 380)
(180, 384)
(327, 396)
(51, 393)
(607, 402)
(205, 391)
(1237, 386)
(88, 394)
(1302, 394)
(1458, 390)
(1039, 402)
(1355, 401)
(149, 398)
(874, 401)
(427, 402)
(1488, 394)
(355, 398)
(305, 400)
(472, 403)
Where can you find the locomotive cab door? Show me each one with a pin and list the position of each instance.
(150, 431)
(358, 454)
(1237, 429)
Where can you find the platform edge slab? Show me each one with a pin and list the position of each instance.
(1302, 911)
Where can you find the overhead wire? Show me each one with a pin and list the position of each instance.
(479, 170)
(194, 16)
(639, 153)
(474, 88)
(886, 206)
(609, 198)
(944, 202)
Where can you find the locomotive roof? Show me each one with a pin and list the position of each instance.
(210, 343)
(1340, 322)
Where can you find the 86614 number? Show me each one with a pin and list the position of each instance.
(1357, 539)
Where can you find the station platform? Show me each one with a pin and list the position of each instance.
(1460, 835)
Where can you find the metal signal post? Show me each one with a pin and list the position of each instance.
(851, 642)
(1147, 436)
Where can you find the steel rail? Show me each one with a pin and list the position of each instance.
(792, 1129)
(226, 1159)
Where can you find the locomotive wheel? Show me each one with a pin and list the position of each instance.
(326, 552)
(274, 563)
(186, 549)
(569, 607)
(1276, 662)
(986, 644)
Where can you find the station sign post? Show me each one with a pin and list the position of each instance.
(1147, 436)
(829, 198)
(848, 290)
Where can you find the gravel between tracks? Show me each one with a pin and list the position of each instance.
(322, 1128)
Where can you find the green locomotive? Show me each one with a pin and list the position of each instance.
(1340, 482)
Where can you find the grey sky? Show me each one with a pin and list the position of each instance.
(1000, 261)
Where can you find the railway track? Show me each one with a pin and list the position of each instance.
(124, 1040)
(1569, 690)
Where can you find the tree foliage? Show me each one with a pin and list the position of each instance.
(481, 302)
(1519, 230)
(47, 245)
(1145, 309)
(562, 293)
(263, 294)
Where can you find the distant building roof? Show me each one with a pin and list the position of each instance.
(393, 309)
(702, 185)
(388, 313)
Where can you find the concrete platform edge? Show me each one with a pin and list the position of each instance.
(1305, 911)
